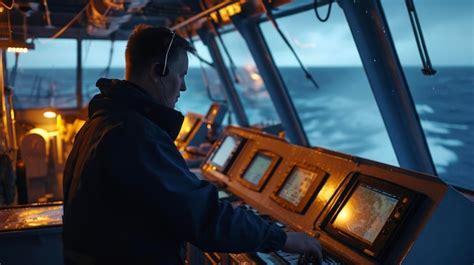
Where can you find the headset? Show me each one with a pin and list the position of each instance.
(165, 70)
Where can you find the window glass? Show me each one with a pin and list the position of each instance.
(443, 101)
(201, 81)
(342, 114)
(45, 77)
(250, 87)
(195, 99)
(95, 64)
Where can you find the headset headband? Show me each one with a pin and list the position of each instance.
(167, 53)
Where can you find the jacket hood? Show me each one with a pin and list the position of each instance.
(122, 95)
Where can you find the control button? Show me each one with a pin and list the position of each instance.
(405, 200)
(396, 215)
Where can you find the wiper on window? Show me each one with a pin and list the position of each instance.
(420, 41)
(287, 42)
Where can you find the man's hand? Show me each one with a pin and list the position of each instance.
(297, 242)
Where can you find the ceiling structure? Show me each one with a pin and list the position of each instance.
(45, 18)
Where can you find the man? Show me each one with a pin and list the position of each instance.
(129, 197)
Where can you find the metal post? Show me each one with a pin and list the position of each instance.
(375, 45)
(9, 98)
(232, 97)
(250, 30)
(79, 74)
(5, 133)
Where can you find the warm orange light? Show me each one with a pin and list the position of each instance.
(50, 114)
(228, 11)
(343, 217)
(326, 193)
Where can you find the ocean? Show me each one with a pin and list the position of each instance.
(341, 115)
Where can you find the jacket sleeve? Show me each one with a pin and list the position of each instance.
(152, 171)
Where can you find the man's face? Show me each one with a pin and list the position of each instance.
(169, 86)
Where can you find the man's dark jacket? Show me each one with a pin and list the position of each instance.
(129, 196)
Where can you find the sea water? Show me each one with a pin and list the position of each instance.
(341, 115)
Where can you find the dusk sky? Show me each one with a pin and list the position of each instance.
(448, 27)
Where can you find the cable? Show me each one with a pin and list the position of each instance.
(204, 75)
(287, 42)
(14, 70)
(233, 68)
(197, 55)
(8, 7)
(63, 29)
(87, 48)
(106, 71)
(317, 13)
(48, 14)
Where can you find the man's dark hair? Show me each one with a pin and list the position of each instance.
(147, 45)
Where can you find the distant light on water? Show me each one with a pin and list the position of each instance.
(255, 76)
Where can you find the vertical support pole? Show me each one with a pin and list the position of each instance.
(79, 74)
(9, 98)
(5, 70)
(251, 32)
(5, 134)
(232, 97)
(381, 63)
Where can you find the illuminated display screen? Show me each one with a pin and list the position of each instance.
(257, 168)
(297, 185)
(224, 152)
(188, 124)
(365, 213)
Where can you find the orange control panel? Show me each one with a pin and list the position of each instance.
(363, 211)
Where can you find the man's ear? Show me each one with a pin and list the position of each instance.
(155, 71)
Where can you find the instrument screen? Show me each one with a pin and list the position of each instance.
(365, 212)
(224, 153)
(257, 168)
(296, 186)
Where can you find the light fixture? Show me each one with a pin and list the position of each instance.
(17, 49)
(11, 39)
(16, 46)
(49, 114)
(226, 12)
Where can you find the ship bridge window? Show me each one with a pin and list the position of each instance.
(342, 114)
(45, 77)
(202, 84)
(250, 87)
(444, 100)
(100, 58)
